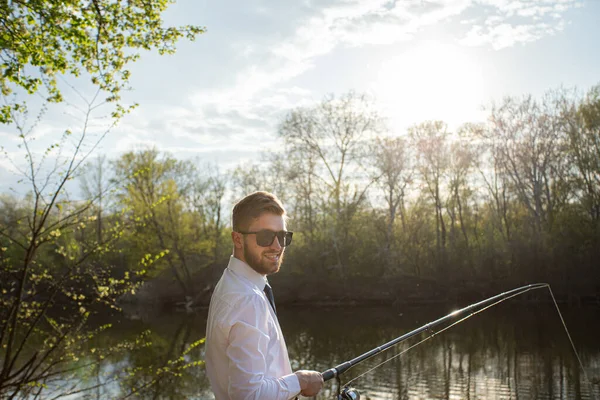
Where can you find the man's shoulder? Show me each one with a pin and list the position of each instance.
(233, 291)
(233, 285)
(234, 298)
(228, 308)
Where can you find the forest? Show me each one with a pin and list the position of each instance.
(420, 214)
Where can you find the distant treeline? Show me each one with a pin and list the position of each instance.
(510, 201)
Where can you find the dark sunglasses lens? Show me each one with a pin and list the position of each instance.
(265, 238)
(288, 238)
(284, 238)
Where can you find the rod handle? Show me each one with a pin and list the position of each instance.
(329, 374)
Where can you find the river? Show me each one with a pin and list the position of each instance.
(512, 351)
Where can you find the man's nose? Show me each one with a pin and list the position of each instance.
(275, 245)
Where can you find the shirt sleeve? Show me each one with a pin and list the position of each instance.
(246, 352)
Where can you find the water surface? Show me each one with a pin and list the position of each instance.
(513, 351)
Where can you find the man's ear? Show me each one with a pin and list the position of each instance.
(236, 237)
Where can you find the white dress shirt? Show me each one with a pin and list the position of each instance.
(246, 355)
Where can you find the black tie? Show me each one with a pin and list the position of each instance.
(269, 293)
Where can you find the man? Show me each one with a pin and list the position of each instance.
(246, 355)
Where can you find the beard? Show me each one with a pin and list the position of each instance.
(258, 262)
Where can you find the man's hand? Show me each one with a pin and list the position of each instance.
(311, 382)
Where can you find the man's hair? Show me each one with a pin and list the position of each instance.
(252, 206)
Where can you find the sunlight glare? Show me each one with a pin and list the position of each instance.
(433, 80)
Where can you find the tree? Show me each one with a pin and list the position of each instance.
(51, 282)
(247, 179)
(42, 40)
(495, 178)
(206, 198)
(498, 201)
(430, 140)
(154, 194)
(393, 172)
(44, 269)
(461, 160)
(305, 187)
(95, 184)
(531, 142)
(335, 134)
(583, 129)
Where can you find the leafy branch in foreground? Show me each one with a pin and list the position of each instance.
(53, 275)
(41, 40)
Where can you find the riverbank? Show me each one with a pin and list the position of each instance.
(304, 290)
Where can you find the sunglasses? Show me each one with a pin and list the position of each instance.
(266, 237)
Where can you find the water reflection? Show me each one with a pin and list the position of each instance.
(157, 356)
(505, 353)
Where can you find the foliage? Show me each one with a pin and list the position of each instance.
(42, 40)
(172, 208)
(513, 200)
(57, 255)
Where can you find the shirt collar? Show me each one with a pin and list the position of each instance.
(241, 268)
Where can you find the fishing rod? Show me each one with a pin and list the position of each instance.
(352, 394)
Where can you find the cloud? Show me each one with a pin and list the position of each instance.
(518, 22)
(208, 129)
(506, 35)
(7, 163)
(9, 138)
(243, 111)
(234, 98)
(355, 23)
(260, 95)
(358, 23)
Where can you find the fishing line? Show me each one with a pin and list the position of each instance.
(572, 344)
(477, 312)
(438, 332)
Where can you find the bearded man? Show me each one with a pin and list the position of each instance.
(246, 355)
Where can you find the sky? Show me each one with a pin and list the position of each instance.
(220, 98)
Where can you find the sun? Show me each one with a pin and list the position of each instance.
(430, 81)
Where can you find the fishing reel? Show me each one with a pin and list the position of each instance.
(349, 394)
